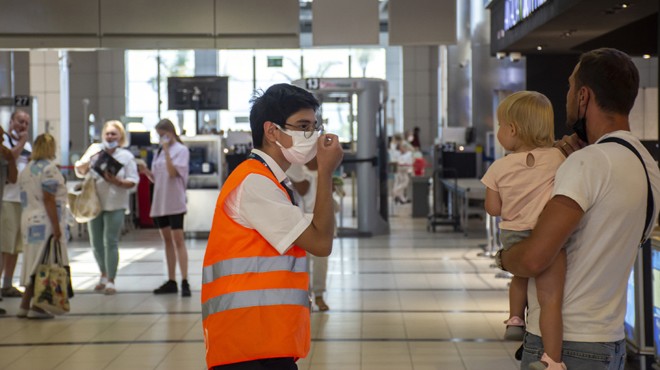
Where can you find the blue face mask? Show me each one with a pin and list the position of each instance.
(110, 144)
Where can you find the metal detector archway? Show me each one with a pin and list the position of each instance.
(370, 157)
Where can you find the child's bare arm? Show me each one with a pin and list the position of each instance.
(493, 202)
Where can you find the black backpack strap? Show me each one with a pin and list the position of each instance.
(649, 193)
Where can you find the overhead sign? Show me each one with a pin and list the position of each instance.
(22, 101)
(313, 83)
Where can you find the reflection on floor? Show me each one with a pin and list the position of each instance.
(407, 300)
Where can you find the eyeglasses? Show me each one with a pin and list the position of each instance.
(307, 128)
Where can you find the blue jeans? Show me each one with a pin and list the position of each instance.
(579, 355)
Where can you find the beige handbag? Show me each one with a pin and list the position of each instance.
(84, 203)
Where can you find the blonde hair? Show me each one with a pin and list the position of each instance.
(118, 125)
(531, 114)
(44, 147)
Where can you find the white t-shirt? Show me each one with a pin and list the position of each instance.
(170, 192)
(13, 191)
(608, 182)
(259, 204)
(112, 197)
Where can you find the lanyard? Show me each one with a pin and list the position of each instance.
(289, 191)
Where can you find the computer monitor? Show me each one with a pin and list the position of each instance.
(198, 93)
(140, 139)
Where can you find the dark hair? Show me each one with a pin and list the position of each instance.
(612, 76)
(167, 126)
(277, 104)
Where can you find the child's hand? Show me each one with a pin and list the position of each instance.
(569, 144)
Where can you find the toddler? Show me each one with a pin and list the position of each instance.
(518, 187)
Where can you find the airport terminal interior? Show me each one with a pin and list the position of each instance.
(411, 283)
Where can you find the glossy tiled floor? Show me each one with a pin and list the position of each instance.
(407, 300)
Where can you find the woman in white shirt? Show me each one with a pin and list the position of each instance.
(113, 192)
(402, 177)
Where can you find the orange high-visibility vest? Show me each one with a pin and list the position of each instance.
(255, 303)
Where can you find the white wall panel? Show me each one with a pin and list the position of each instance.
(636, 116)
(157, 17)
(422, 22)
(651, 113)
(345, 22)
(257, 23)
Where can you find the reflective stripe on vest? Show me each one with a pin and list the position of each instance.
(255, 298)
(236, 266)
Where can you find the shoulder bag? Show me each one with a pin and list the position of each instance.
(84, 203)
(52, 281)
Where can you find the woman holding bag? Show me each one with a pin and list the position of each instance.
(113, 192)
(43, 199)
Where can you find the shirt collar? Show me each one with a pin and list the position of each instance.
(277, 170)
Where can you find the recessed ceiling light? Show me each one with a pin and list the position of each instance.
(646, 56)
(624, 5)
(539, 47)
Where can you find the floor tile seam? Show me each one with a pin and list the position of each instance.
(394, 272)
(201, 341)
(119, 319)
(418, 289)
(419, 340)
(198, 313)
(58, 364)
(90, 292)
(101, 342)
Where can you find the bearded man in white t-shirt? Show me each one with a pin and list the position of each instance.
(597, 212)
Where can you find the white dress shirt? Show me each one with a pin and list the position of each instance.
(259, 204)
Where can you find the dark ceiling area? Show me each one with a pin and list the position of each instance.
(574, 26)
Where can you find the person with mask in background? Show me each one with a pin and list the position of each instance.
(11, 239)
(43, 195)
(8, 175)
(113, 192)
(255, 302)
(169, 174)
(304, 178)
(403, 171)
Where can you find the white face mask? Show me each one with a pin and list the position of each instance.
(110, 144)
(302, 150)
(164, 139)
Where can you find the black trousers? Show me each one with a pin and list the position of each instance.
(284, 363)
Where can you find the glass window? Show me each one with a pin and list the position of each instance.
(369, 62)
(237, 65)
(142, 85)
(325, 62)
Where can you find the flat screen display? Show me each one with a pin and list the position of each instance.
(198, 93)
